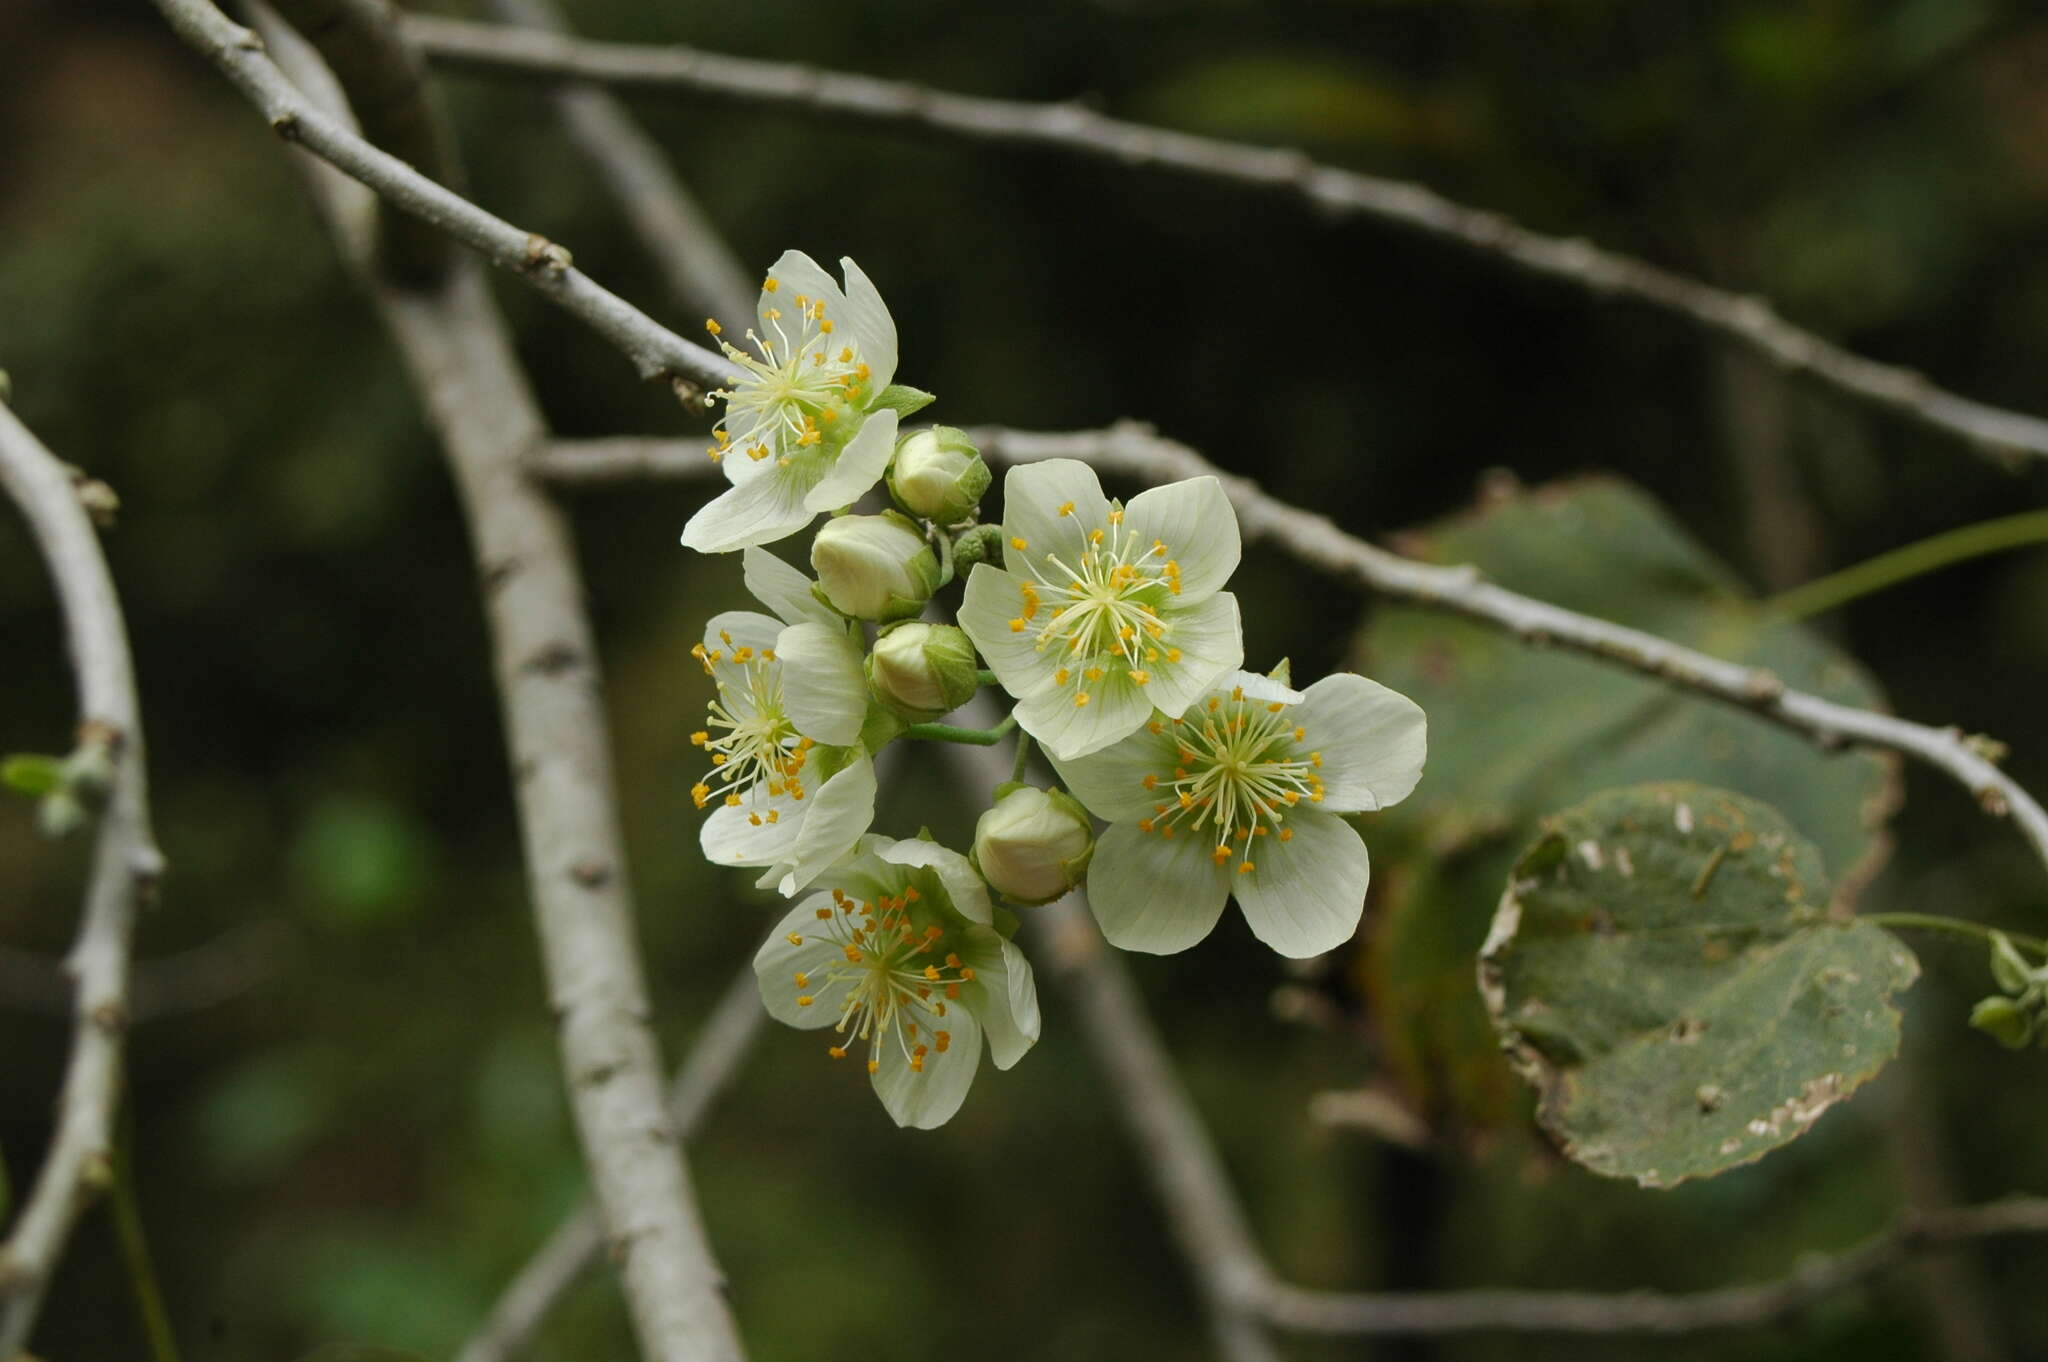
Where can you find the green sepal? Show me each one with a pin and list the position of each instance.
(980, 544)
(1283, 672)
(32, 774)
(1006, 921)
(902, 399)
(880, 728)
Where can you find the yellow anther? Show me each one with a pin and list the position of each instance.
(1287, 834)
(1060, 675)
(1066, 508)
(794, 939)
(719, 758)
(1140, 676)
(773, 314)
(968, 975)
(852, 954)
(944, 1040)
(1299, 732)
(755, 819)
(1244, 867)
(771, 283)
(1173, 654)
(804, 1000)
(1080, 699)
(1017, 542)
(825, 326)
(1151, 781)
(824, 914)
(1155, 728)
(803, 980)
(873, 1065)
(837, 1052)
(1220, 854)
(711, 325)
(732, 801)
(1275, 707)
(1116, 515)
(1237, 694)
(1144, 825)
(1093, 673)
(931, 972)
(1095, 536)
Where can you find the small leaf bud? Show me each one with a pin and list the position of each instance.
(982, 544)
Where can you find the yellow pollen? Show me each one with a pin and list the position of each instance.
(771, 283)
(794, 939)
(1080, 699)
(732, 801)
(711, 325)
(944, 1039)
(1151, 781)
(1287, 834)
(1066, 508)
(1017, 542)
(804, 1000)
(1093, 673)
(803, 980)
(1140, 676)
(1017, 625)
(835, 1051)
(824, 914)
(1299, 733)
(1244, 867)
(873, 1065)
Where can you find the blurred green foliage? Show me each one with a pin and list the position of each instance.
(365, 1143)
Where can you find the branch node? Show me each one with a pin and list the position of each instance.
(545, 256)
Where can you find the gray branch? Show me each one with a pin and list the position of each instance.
(656, 352)
(459, 353)
(699, 269)
(1135, 451)
(125, 868)
(483, 49)
(715, 1055)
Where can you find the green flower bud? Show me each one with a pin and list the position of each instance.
(874, 567)
(2004, 1021)
(1034, 845)
(2008, 966)
(938, 474)
(922, 671)
(981, 544)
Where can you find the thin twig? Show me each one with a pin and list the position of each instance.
(125, 868)
(490, 50)
(1135, 451)
(459, 353)
(699, 269)
(656, 352)
(714, 1057)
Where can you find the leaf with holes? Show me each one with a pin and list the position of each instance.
(1665, 970)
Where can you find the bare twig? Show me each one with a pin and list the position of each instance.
(1135, 451)
(459, 353)
(728, 1033)
(1564, 1312)
(700, 270)
(206, 975)
(656, 352)
(488, 50)
(125, 868)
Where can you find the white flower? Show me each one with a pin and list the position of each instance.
(800, 433)
(1242, 795)
(793, 785)
(900, 958)
(874, 567)
(1033, 845)
(1100, 614)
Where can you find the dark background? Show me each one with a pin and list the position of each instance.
(368, 1137)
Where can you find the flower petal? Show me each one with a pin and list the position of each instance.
(874, 330)
(783, 589)
(1152, 893)
(837, 813)
(796, 274)
(1111, 782)
(929, 1099)
(963, 886)
(1257, 687)
(724, 635)
(1210, 639)
(779, 962)
(758, 511)
(1304, 896)
(1195, 521)
(733, 836)
(859, 466)
(823, 689)
(993, 599)
(1003, 996)
(1373, 741)
(1114, 707)
(1032, 497)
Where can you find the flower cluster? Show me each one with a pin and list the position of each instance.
(1109, 628)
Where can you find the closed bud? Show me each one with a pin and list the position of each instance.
(874, 567)
(1034, 845)
(2008, 966)
(938, 474)
(921, 671)
(2004, 1021)
(982, 544)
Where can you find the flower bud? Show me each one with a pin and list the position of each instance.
(874, 567)
(1034, 845)
(921, 671)
(938, 474)
(981, 544)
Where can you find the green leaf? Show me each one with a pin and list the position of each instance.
(903, 400)
(2004, 1021)
(1517, 732)
(32, 774)
(1664, 969)
(2008, 967)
